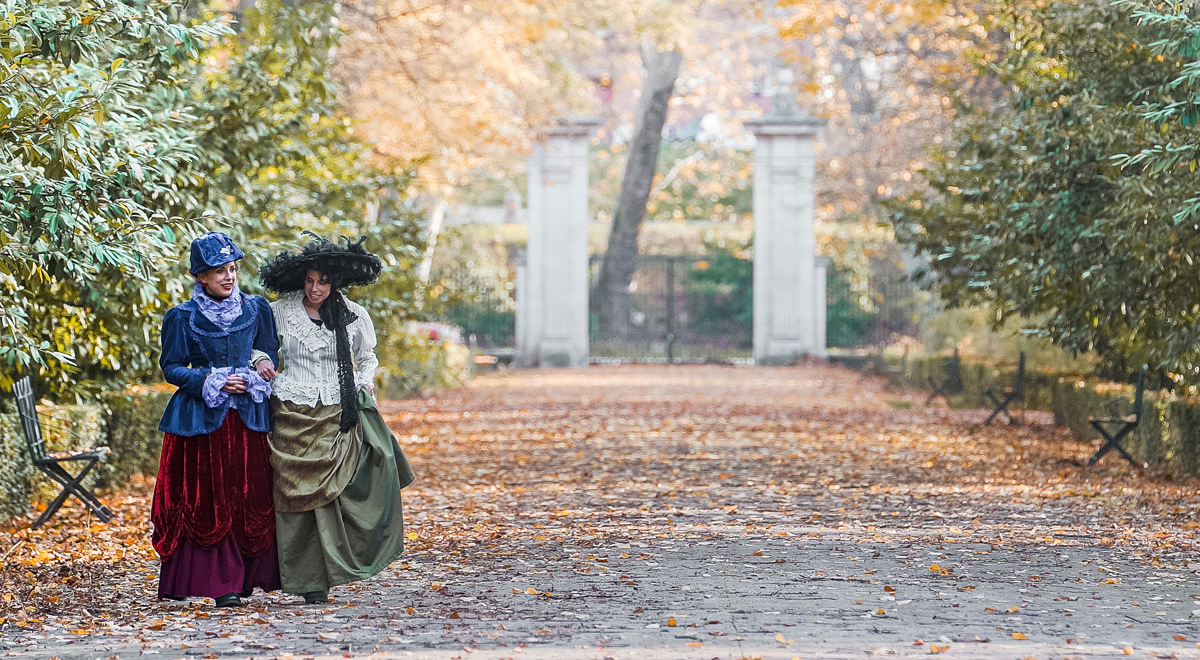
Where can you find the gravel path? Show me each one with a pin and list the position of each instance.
(716, 512)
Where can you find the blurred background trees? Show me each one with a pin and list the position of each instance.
(132, 126)
(1034, 159)
(1069, 201)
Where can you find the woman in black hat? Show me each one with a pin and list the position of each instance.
(338, 470)
(214, 524)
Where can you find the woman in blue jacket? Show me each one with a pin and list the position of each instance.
(213, 514)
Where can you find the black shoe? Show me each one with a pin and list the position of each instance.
(246, 593)
(229, 600)
(314, 597)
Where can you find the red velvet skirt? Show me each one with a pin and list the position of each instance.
(212, 487)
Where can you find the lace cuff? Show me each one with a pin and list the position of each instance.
(257, 388)
(364, 381)
(214, 396)
(255, 356)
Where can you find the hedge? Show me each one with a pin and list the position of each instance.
(16, 472)
(1168, 436)
(418, 364)
(127, 423)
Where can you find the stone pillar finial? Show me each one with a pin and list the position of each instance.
(784, 102)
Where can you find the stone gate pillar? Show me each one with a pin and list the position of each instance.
(552, 288)
(789, 284)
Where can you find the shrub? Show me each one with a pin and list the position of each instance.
(132, 432)
(419, 361)
(126, 422)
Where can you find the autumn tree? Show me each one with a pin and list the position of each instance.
(1067, 203)
(129, 128)
(464, 84)
(661, 67)
(666, 33)
(883, 73)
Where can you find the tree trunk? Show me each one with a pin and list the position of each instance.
(611, 291)
(437, 215)
(239, 13)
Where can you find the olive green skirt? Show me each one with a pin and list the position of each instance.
(338, 517)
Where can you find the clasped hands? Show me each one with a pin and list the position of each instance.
(235, 384)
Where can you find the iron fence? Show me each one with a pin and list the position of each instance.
(485, 310)
(679, 309)
(878, 309)
(698, 308)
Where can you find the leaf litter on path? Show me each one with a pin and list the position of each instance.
(549, 501)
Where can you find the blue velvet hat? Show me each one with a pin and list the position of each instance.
(211, 250)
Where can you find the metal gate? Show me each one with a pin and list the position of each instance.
(681, 309)
(880, 309)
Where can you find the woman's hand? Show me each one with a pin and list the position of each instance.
(265, 369)
(235, 384)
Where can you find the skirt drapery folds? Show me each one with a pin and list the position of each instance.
(213, 514)
(338, 515)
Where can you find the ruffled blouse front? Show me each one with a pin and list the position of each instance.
(308, 354)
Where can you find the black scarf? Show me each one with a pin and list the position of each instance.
(337, 317)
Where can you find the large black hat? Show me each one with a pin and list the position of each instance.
(286, 272)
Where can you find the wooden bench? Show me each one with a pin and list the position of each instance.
(1105, 425)
(52, 463)
(951, 381)
(1001, 398)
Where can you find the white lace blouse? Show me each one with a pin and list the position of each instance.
(308, 355)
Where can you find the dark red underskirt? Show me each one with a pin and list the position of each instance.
(194, 571)
(214, 487)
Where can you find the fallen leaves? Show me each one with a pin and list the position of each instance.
(562, 467)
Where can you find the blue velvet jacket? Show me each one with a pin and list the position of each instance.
(192, 346)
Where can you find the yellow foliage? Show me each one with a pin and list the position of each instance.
(878, 69)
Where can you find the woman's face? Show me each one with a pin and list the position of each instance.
(219, 282)
(316, 288)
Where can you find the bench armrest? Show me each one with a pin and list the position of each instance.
(1127, 419)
